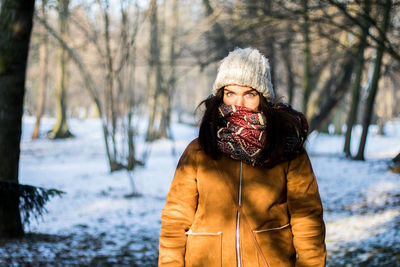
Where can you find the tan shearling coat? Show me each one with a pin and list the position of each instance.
(281, 205)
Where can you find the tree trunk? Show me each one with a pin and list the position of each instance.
(218, 46)
(355, 99)
(110, 112)
(341, 87)
(169, 86)
(338, 121)
(162, 97)
(252, 12)
(270, 44)
(324, 128)
(154, 79)
(130, 131)
(15, 30)
(43, 61)
(385, 103)
(288, 61)
(307, 58)
(381, 125)
(60, 129)
(374, 83)
(395, 167)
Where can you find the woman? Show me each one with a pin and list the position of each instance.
(244, 192)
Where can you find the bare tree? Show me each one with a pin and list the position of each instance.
(60, 129)
(340, 83)
(375, 79)
(154, 72)
(286, 50)
(43, 62)
(355, 97)
(375, 35)
(218, 46)
(116, 112)
(307, 76)
(171, 77)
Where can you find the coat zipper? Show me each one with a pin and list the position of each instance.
(238, 258)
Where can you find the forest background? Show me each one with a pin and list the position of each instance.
(335, 61)
(125, 62)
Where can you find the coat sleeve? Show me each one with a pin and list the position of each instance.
(305, 210)
(178, 212)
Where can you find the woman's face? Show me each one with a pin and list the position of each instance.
(241, 96)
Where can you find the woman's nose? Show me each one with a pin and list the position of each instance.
(239, 101)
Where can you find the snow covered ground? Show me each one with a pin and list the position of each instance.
(95, 224)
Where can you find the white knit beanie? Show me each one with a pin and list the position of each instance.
(245, 67)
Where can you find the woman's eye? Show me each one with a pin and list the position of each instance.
(229, 94)
(250, 94)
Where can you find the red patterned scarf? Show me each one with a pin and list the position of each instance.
(243, 135)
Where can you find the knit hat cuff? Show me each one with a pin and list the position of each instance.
(266, 89)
